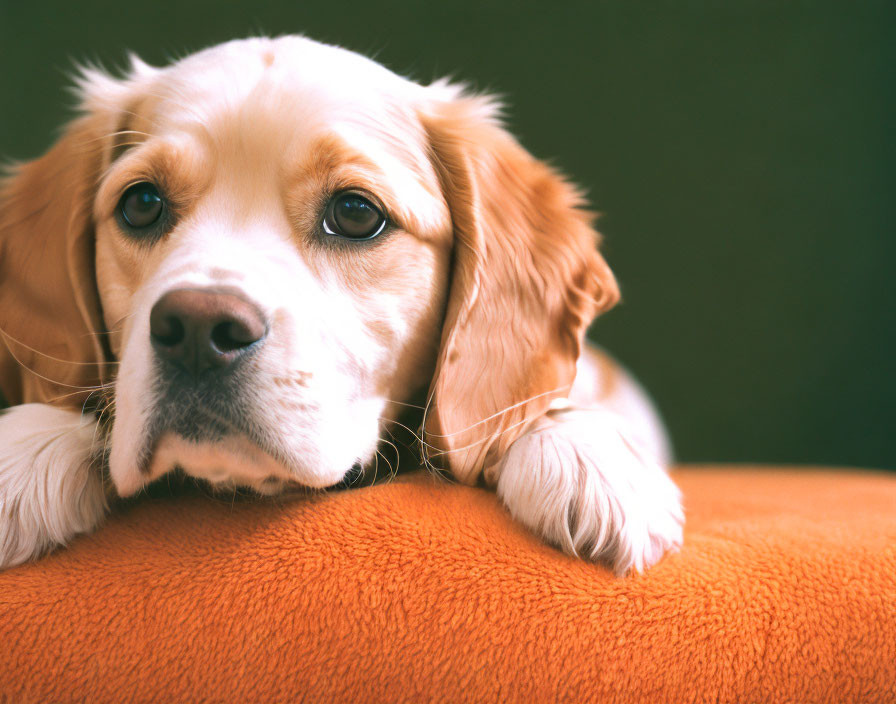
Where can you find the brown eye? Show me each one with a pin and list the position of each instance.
(353, 216)
(141, 206)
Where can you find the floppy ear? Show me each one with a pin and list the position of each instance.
(527, 280)
(49, 305)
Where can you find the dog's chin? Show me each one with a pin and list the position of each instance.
(232, 460)
(225, 462)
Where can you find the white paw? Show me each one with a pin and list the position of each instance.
(48, 490)
(580, 481)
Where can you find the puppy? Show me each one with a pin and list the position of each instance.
(248, 264)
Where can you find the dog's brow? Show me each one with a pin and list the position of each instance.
(330, 152)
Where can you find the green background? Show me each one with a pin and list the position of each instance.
(742, 154)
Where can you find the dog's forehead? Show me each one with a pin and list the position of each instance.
(293, 78)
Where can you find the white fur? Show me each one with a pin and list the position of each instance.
(579, 479)
(589, 476)
(49, 491)
(625, 397)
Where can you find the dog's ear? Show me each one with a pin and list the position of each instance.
(527, 280)
(51, 346)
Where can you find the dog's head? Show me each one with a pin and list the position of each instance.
(271, 247)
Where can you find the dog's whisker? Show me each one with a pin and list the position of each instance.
(116, 328)
(417, 437)
(558, 390)
(9, 338)
(424, 447)
(403, 403)
(430, 451)
(393, 471)
(46, 378)
(376, 464)
(489, 438)
(93, 389)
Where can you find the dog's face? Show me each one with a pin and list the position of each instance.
(272, 250)
(282, 243)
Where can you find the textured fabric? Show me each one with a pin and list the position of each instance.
(420, 590)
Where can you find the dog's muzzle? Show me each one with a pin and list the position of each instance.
(204, 342)
(207, 414)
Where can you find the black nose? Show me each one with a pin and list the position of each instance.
(200, 329)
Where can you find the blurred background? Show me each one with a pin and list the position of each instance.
(742, 154)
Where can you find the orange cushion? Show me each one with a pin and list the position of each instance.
(785, 591)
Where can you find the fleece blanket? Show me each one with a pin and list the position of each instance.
(421, 590)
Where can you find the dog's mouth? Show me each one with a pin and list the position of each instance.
(232, 461)
(228, 430)
(207, 427)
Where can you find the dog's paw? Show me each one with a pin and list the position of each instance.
(580, 481)
(49, 491)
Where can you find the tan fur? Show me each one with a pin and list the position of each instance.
(49, 307)
(527, 282)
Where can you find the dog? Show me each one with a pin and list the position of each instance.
(249, 264)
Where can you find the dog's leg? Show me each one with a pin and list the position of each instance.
(50, 490)
(590, 478)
